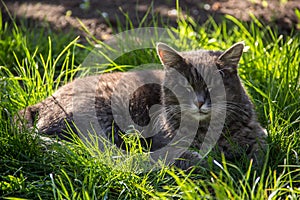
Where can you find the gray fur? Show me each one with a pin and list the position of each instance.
(241, 126)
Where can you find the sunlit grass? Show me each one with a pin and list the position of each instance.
(33, 168)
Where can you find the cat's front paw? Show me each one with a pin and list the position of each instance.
(190, 159)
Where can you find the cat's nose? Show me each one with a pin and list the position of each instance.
(200, 104)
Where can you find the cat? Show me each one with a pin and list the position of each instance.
(197, 95)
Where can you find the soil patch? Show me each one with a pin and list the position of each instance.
(102, 17)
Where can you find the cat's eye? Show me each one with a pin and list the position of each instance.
(208, 89)
(189, 88)
(222, 73)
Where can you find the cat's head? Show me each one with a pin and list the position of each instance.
(199, 82)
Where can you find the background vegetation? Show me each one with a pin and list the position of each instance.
(34, 62)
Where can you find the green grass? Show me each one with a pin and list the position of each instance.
(32, 168)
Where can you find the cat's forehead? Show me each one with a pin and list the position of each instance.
(202, 57)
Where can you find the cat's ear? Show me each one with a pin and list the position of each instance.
(167, 55)
(231, 57)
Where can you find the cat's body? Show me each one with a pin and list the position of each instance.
(185, 92)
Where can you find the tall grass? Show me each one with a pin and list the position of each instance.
(33, 168)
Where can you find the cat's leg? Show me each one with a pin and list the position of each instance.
(190, 159)
(260, 147)
(249, 140)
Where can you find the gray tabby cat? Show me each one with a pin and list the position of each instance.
(199, 90)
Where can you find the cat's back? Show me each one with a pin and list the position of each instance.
(83, 94)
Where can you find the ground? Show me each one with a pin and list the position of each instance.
(63, 15)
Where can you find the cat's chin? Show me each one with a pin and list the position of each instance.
(200, 116)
